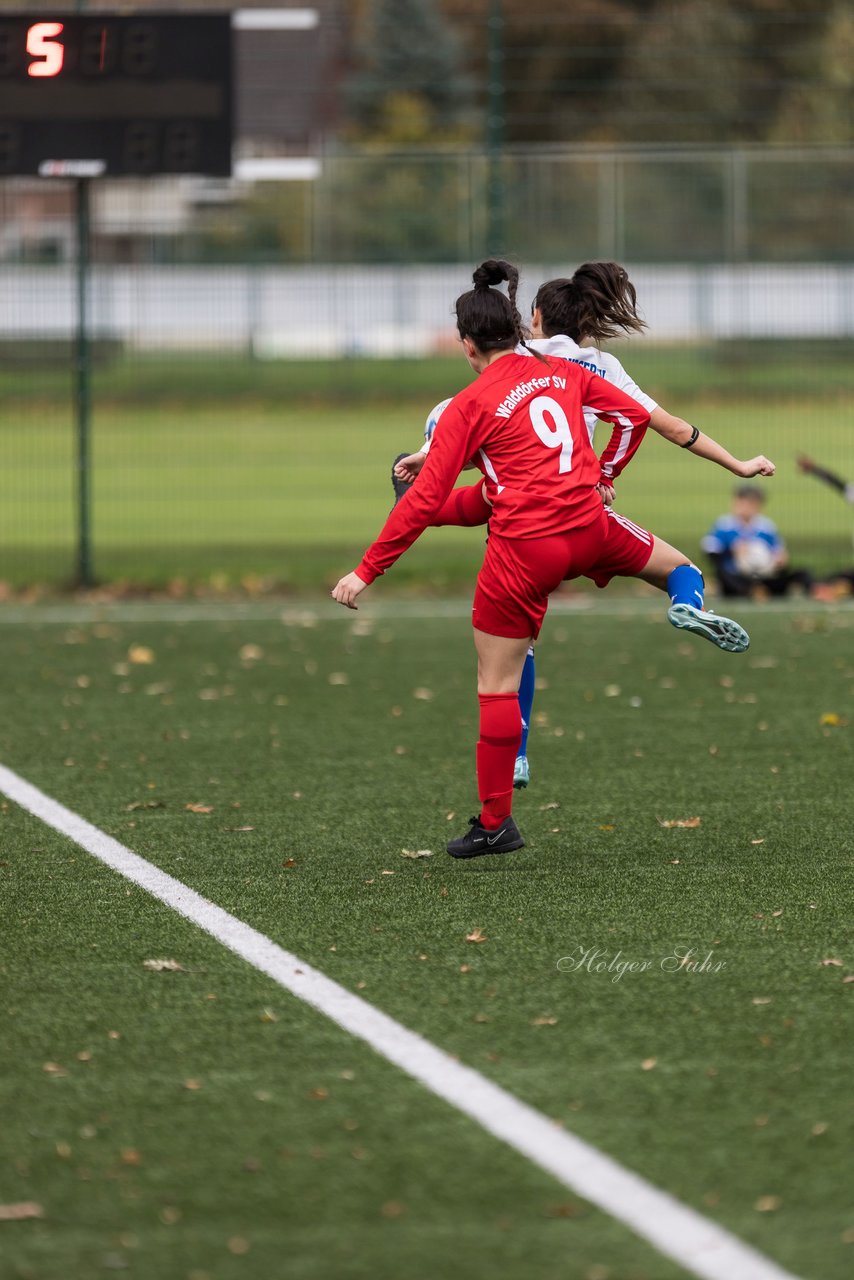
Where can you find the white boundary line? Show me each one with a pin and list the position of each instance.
(700, 1246)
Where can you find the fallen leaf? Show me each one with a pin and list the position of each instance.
(678, 822)
(648, 1064)
(199, 808)
(338, 677)
(268, 1016)
(833, 720)
(761, 840)
(145, 804)
(251, 653)
(18, 1212)
(832, 960)
(289, 862)
(192, 1085)
(130, 1155)
(416, 853)
(54, 1069)
(239, 828)
(545, 1020)
(762, 1000)
(318, 1095)
(566, 1210)
(767, 1204)
(238, 1245)
(140, 655)
(423, 695)
(849, 977)
(465, 968)
(164, 966)
(552, 805)
(476, 935)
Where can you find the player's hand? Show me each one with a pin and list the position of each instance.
(409, 467)
(606, 493)
(760, 466)
(347, 589)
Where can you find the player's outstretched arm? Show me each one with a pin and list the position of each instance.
(680, 432)
(811, 468)
(347, 589)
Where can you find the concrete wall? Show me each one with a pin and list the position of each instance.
(285, 312)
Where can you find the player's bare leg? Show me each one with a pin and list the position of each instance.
(674, 573)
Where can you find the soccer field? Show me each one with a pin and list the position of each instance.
(195, 1121)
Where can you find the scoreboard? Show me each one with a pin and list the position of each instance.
(113, 95)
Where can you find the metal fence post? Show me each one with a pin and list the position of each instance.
(83, 398)
(495, 196)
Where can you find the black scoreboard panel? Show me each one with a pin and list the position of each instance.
(139, 95)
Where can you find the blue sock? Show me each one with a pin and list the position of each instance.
(526, 699)
(685, 586)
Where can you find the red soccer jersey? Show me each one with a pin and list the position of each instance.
(521, 422)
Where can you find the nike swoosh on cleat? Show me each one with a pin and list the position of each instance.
(495, 837)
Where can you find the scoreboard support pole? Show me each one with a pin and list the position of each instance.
(83, 393)
(495, 193)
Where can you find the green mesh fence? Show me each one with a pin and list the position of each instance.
(260, 352)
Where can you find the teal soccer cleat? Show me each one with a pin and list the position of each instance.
(521, 773)
(723, 632)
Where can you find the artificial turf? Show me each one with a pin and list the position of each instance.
(315, 749)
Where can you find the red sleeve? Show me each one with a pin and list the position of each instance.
(630, 423)
(450, 450)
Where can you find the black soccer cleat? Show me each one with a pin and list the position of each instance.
(400, 486)
(479, 840)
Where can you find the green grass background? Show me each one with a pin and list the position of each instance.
(342, 741)
(231, 474)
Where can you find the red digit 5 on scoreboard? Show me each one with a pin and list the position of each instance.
(43, 45)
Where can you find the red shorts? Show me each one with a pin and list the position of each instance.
(518, 574)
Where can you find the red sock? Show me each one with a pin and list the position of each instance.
(465, 507)
(500, 735)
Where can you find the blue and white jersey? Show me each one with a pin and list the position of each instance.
(728, 530)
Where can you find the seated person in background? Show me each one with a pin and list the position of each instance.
(747, 551)
(841, 582)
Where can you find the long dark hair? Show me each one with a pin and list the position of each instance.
(488, 317)
(597, 302)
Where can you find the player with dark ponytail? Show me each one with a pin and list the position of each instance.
(488, 317)
(570, 317)
(598, 302)
(523, 424)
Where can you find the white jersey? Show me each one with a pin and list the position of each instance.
(601, 362)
